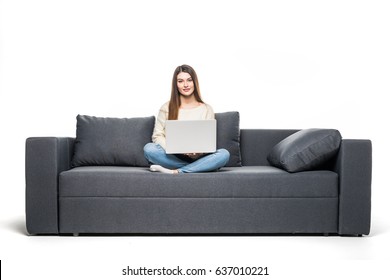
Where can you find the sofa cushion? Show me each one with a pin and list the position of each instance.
(305, 149)
(229, 182)
(228, 136)
(111, 141)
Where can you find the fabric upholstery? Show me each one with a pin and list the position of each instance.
(305, 149)
(256, 181)
(256, 144)
(256, 198)
(198, 215)
(46, 157)
(111, 141)
(228, 136)
(354, 166)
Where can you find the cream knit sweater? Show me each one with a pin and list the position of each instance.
(202, 112)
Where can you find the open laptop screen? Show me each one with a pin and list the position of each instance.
(190, 136)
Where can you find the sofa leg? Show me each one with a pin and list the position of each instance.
(326, 234)
(75, 234)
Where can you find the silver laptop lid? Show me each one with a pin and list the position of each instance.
(195, 136)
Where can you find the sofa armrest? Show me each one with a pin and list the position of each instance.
(354, 166)
(46, 157)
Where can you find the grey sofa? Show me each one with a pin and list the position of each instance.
(256, 198)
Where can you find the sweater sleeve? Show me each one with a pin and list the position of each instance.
(209, 113)
(158, 136)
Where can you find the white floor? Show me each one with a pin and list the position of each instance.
(104, 257)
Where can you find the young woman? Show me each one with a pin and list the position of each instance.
(185, 104)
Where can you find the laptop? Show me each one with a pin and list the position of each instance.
(195, 136)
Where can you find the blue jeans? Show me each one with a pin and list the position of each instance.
(156, 154)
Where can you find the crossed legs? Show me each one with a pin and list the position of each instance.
(166, 163)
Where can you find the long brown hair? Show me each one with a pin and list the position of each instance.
(174, 103)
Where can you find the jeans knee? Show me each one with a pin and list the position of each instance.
(148, 148)
(224, 154)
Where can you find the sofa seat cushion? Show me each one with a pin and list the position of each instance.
(231, 182)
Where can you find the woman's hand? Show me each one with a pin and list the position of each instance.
(194, 155)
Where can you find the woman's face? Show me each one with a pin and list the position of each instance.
(185, 84)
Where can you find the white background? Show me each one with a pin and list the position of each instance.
(281, 64)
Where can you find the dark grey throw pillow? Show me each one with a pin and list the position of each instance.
(111, 141)
(305, 149)
(228, 136)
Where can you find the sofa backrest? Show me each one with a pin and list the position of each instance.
(256, 144)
